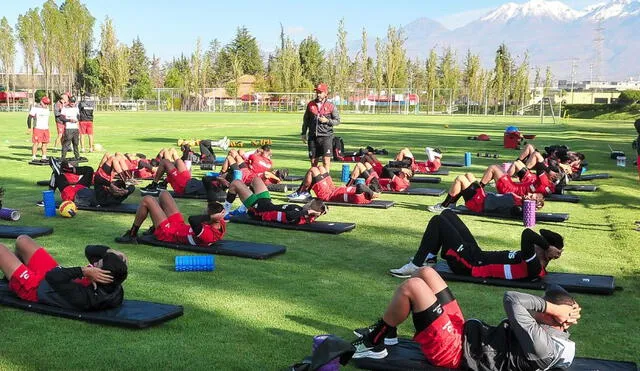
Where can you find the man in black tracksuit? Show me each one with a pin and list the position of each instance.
(320, 118)
(533, 337)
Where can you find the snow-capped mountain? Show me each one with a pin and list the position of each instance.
(555, 10)
(550, 32)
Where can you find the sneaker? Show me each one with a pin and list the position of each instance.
(225, 144)
(430, 153)
(127, 238)
(81, 159)
(299, 196)
(432, 262)
(163, 185)
(151, 187)
(391, 338)
(364, 349)
(40, 203)
(405, 271)
(149, 231)
(437, 208)
(233, 213)
(55, 166)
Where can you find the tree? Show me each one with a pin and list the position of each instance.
(548, 80)
(395, 62)
(245, 48)
(365, 64)
(379, 68)
(448, 71)
(521, 82)
(502, 75)
(156, 73)
(472, 77)
(342, 61)
(56, 53)
(431, 75)
(88, 78)
(26, 29)
(114, 61)
(286, 70)
(629, 97)
(7, 50)
(212, 55)
(139, 84)
(311, 57)
(78, 36)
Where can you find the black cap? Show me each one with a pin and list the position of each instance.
(72, 99)
(118, 268)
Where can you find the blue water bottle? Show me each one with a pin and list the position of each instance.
(195, 263)
(467, 159)
(213, 174)
(237, 175)
(346, 173)
(360, 181)
(49, 203)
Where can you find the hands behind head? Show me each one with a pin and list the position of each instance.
(567, 315)
(97, 275)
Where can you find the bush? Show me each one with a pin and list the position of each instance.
(39, 94)
(629, 97)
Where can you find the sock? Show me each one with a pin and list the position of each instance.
(350, 182)
(481, 184)
(379, 331)
(33, 157)
(134, 230)
(447, 200)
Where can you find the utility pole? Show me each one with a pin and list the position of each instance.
(573, 76)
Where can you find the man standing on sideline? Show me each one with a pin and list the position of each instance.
(69, 115)
(86, 122)
(320, 118)
(40, 131)
(57, 112)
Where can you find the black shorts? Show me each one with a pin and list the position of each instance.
(320, 147)
(470, 191)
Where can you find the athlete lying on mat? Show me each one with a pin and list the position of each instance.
(35, 276)
(169, 225)
(448, 234)
(389, 179)
(543, 181)
(533, 337)
(258, 205)
(478, 200)
(319, 181)
(405, 158)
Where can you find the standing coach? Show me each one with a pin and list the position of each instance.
(320, 118)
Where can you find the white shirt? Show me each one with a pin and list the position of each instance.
(71, 113)
(42, 117)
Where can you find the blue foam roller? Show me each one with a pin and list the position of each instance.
(195, 263)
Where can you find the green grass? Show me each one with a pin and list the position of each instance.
(262, 314)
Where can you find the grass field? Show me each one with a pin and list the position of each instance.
(254, 315)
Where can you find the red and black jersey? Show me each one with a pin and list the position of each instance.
(395, 184)
(543, 185)
(327, 191)
(265, 209)
(259, 163)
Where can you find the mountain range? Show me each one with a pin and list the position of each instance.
(552, 33)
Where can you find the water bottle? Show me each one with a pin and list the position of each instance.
(49, 203)
(237, 175)
(346, 173)
(467, 159)
(195, 263)
(9, 214)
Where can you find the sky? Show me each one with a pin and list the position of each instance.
(168, 29)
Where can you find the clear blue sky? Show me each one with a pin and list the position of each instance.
(169, 28)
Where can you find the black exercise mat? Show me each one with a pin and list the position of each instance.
(43, 183)
(121, 208)
(592, 177)
(293, 178)
(282, 187)
(451, 164)
(425, 179)
(132, 313)
(562, 198)
(11, 231)
(418, 192)
(240, 249)
(316, 226)
(580, 187)
(540, 216)
(407, 356)
(38, 163)
(375, 204)
(573, 282)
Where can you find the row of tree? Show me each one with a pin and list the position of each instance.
(58, 42)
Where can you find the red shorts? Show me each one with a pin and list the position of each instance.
(26, 279)
(172, 229)
(60, 128)
(441, 342)
(348, 195)
(434, 165)
(86, 127)
(506, 185)
(377, 167)
(324, 189)
(247, 175)
(69, 192)
(476, 203)
(40, 136)
(178, 180)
